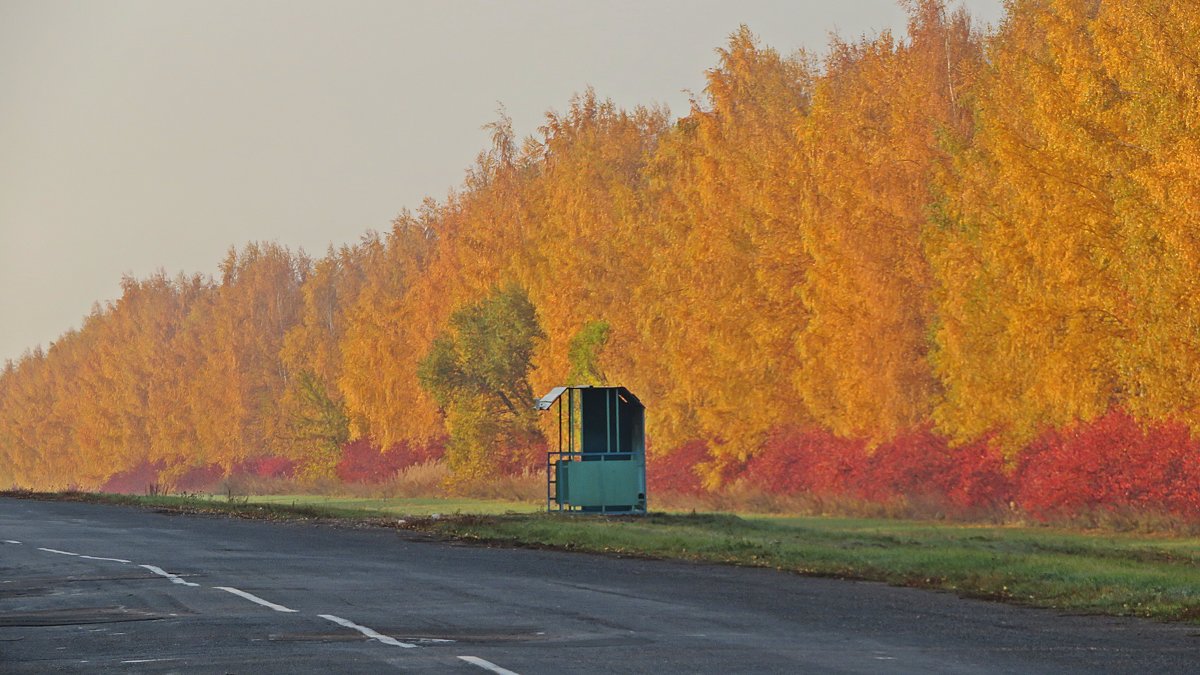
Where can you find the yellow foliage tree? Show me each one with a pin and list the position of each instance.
(721, 307)
(236, 394)
(379, 352)
(873, 142)
(587, 250)
(1043, 253)
(1150, 50)
(317, 423)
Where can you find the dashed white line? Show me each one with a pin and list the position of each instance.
(11, 541)
(77, 555)
(487, 665)
(93, 557)
(54, 550)
(163, 573)
(254, 598)
(367, 631)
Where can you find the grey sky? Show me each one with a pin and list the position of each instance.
(146, 134)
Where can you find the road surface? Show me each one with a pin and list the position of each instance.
(91, 588)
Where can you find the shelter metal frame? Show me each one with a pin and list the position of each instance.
(617, 484)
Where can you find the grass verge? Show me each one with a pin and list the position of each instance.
(1084, 572)
(402, 506)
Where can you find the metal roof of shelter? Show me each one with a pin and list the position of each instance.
(548, 400)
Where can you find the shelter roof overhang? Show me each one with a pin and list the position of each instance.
(548, 400)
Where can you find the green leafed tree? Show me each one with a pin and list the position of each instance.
(584, 353)
(318, 425)
(478, 371)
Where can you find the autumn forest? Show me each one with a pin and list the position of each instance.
(952, 264)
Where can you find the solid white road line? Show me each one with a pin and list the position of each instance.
(163, 573)
(366, 631)
(254, 598)
(486, 665)
(11, 541)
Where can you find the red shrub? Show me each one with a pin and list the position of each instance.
(815, 461)
(266, 466)
(364, 462)
(1111, 463)
(675, 471)
(922, 464)
(918, 464)
(133, 481)
(978, 478)
(199, 478)
(912, 465)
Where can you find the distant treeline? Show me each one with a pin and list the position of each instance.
(984, 241)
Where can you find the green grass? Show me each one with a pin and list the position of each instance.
(1075, 571)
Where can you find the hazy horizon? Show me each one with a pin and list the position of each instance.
(142, 135)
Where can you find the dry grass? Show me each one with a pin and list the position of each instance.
(523, 487)
(429, 480)
(742, 498)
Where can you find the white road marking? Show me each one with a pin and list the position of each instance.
(93, 557)
(486, 665)
(77, 555)
(367, 631)
(254, 598)
(163, 573)
(54, 550)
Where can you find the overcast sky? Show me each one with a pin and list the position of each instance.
(138, 135)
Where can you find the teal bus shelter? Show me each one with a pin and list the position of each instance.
(600, 464)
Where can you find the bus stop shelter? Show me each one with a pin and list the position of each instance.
(600, 464)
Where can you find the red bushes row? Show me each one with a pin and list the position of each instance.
(917, 465)
(1109, 464)
(1112, 463)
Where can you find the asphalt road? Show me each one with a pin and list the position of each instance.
(88, 588)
